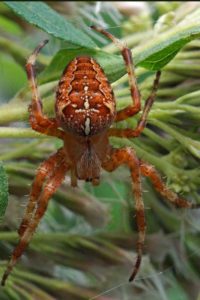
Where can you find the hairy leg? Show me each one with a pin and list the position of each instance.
(130, 133)
(127, 156)
(45, 170)
(51, 185)
(39, 122)
(149, 171)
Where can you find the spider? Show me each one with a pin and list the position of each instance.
(85, 109)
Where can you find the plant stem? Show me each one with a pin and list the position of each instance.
(130, 41)
(20, 151)
(40, 294)
(53, 284)
(20, 53)
(15, 112)
(12, 132)
(58, 237)
(190, 97)
(192, 145)
(11, 113)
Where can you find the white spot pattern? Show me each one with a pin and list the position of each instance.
(86, 88)
(87, 126)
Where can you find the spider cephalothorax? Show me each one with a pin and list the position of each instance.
(85, 110)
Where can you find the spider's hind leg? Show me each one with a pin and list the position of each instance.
(127, 156)
(45, 170)
(149, 171)
(38, 206)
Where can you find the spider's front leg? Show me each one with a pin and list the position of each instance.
(39, 122)
(149, 171)
(41, 193)
(127, 156)
(130, 133)
(135, 94)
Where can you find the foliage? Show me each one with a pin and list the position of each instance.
(41, 15)
(3, 191)
(85, 244)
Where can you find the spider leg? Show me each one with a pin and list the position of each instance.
(149, 171)
(130, 133)
(135, 94)
(128, 156)
(45, 170)
(51, 185)
(39, 122)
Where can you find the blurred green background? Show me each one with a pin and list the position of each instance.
(84, 246)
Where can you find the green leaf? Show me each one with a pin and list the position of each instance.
(112, 64)
(153, 55)
(10, 83)
(176, 291)
(160, 49)
(44, 17)
(157, 53)
(3, 191)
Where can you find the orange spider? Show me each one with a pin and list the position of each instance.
(85, 109)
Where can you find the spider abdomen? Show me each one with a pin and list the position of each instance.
(85, 104)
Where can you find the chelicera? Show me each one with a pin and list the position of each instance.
(85, 110)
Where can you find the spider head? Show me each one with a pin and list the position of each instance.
(85, 103)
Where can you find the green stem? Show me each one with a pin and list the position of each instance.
(193, 68)
(169, 219)
(53, 284)
(192, 145)
(190, 97)
(15, 112)
(26, 295)
(21, 151)
(188, 55)
(158, 139)
(177, 91)
(20, 53)
(11, 113)
(24, 95)
(173, 105)
(130, 41)
(12, 294)
(12, 132)
(39, 237)
(176, 106)
(34, 290)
